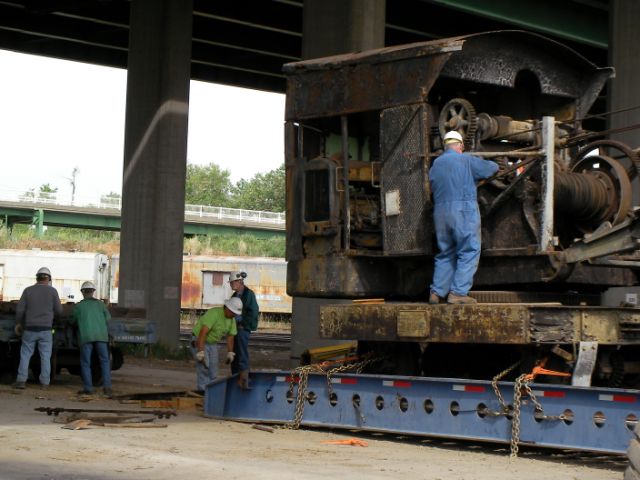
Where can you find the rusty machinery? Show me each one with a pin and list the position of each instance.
(560, 222)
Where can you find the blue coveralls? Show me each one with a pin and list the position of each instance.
(453, 178)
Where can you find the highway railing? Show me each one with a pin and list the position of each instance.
(111, 203)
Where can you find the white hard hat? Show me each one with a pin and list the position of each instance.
(233, 276)
(88, 286)
(44, 271)
(452, 137)
(234, 304)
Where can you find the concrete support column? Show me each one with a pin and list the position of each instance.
(331, 27)
(155, 155)
(624, 36)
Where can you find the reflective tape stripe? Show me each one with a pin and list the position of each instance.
(396, 383)
(344, 381)
(549, 393)
(618, 398)
(469, 388)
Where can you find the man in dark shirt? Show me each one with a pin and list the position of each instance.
(247, 323)
(38, 306)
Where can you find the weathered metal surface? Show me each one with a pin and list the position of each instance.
(510, 77)
(332, 276)
(403, 138)
(422, 322)
(404, 74)
(498, 58)
(519, 324)
(266, 277)
(363, 82)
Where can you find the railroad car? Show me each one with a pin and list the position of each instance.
(204, 278)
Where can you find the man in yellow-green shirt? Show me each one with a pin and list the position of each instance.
(212, 327)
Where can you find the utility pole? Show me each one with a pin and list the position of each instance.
(72, 181)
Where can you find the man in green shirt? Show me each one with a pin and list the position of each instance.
(91, 316)
(212, 327)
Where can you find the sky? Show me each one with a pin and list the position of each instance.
(56, 115)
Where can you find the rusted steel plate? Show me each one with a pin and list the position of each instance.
(360, 88)
(429, 323)
(480, 323)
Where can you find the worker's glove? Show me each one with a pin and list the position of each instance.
(18, 329)
(203, 359)
(230, 357)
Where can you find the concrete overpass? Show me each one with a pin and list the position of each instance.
(164, 43)
(198, 219)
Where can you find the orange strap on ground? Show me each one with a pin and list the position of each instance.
(350, 441)
(543, 371)
(328, 363)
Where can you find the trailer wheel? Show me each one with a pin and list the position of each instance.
(117, 358)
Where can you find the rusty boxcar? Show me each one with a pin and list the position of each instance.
(205, 281)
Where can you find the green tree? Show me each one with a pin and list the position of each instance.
(47, 192)
(207, 185)
(265, 191)
(111, 199)
(46, 188)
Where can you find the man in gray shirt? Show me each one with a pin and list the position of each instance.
(38, 306)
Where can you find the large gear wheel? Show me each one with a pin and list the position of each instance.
(459, 114)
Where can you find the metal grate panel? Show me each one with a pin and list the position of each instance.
(406, 223)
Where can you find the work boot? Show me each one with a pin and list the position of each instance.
(44, 387)
(460, 299)
(108, 393)
(243, 379)
(434, 298)
(85, 392)
(19, 385)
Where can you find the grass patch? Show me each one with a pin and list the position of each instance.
(24, 237)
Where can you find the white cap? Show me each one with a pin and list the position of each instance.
(44, 271)
(88, 286)
(452, 137)
(234, 304)
(233, 276)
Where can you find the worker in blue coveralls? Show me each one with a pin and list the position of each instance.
(246, 323)
(456, 216)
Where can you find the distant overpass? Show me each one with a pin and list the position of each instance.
(45, 209)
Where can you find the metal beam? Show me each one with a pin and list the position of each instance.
(562, 18)
(592, 419)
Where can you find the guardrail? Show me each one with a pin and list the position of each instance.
(113, 203)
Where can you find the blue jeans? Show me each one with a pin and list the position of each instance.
(241, 348)
(457, 227)
(44, 341)
(85, 364)
(205, 375)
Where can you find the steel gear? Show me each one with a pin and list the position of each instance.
(459, 114)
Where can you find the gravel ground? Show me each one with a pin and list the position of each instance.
(34, 447)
